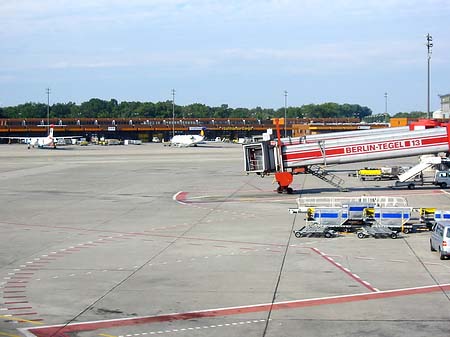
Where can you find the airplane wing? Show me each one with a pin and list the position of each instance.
(22, 139)
(19, 138)
(66, 137)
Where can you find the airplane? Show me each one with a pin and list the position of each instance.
(49, 141)
(187, 140)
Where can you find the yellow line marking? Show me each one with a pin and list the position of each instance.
(106, 335)
(11, 318)
(7, 334)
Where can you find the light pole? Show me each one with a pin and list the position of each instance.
(429, 46)
(48, 109)
(285, 113)
(173, 112)
(386, 103)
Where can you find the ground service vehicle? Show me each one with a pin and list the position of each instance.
(441, 179)
(440, 239)
(288, 156)
(379, 173)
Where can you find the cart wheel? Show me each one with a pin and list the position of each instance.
(360, 235)
(289, 190)
(394, 235)
(298, 234)
(411, 186)
(406, 230)
(328, 235)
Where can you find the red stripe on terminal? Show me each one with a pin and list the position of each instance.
(448, 135)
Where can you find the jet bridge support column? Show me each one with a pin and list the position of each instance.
(283, 178)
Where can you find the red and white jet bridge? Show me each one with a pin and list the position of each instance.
(288, 156)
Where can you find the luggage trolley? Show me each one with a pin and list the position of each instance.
(320, 222)
(377, 232)
(315, 230)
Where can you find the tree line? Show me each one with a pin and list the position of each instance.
(97, 108)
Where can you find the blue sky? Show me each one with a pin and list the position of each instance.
(242, 53)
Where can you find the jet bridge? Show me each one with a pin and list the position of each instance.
(286, 157)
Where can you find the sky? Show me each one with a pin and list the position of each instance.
(244, 53)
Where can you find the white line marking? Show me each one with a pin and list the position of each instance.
(364, 258)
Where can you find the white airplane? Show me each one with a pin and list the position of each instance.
(49, 141)
(187, 140)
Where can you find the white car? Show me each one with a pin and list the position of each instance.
(440, 239)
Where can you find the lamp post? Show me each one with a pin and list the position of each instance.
(173, 112)
(429, 46)
(48, 109)
(285, 113)
(386, 103)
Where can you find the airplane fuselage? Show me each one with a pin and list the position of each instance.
(186, 140)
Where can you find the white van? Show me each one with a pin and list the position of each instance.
(440, 239)
(442, 178)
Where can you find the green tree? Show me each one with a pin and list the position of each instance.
(95, 107)
(60, 110)
(412, 114)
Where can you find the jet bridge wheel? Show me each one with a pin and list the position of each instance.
(288, 190)
(284, 179)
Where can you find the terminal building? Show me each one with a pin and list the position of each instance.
(147, 129)
(444, 112)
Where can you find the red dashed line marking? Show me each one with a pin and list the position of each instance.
(17, 282)
(20, 278)
(15, 286)
(13, 291)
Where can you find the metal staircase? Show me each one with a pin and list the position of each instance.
(326, 176)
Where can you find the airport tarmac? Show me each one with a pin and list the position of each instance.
(152, 240)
